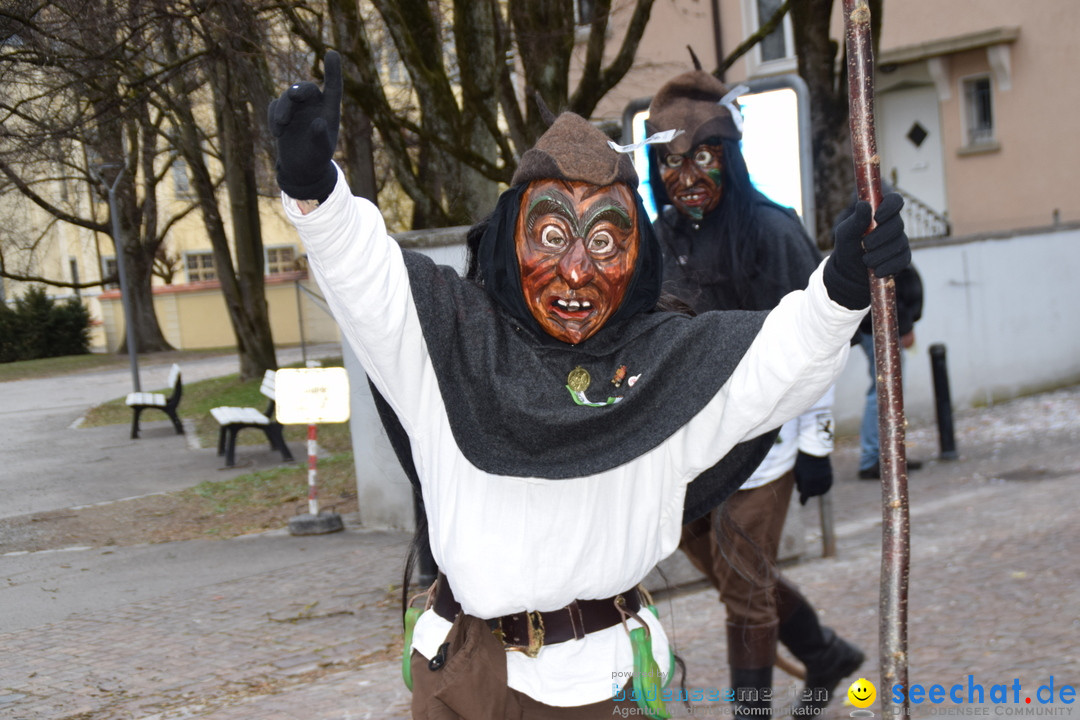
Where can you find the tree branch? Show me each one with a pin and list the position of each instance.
(45, 205)
(762, 32)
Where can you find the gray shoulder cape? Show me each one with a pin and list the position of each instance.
(510, 409)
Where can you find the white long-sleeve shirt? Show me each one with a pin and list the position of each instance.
(811, 432)
(512, 544)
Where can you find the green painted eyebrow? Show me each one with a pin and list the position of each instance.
(558, 203)
(615, 214)
(550, 202)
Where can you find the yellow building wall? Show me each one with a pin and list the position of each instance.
(194, 317)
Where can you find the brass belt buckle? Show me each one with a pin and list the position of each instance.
(535, 631)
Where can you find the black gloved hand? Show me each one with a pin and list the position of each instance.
(305, 122)
(886, 251)
(813, 475)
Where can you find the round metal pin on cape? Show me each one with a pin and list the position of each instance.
(578, 379)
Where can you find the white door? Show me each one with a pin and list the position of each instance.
(909, 142)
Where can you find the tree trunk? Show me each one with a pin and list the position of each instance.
(243, 290)
(545, 35)
(479, 59)
(138, 262)
(235, 87)
(834, 179)
(148, 335)
(356, 139)
(826, 79)
(358, 149)
(254, 335)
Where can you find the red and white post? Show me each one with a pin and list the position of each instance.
(307, 397)
(312, 474)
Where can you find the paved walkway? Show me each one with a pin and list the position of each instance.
(44, 466)
(993, 595)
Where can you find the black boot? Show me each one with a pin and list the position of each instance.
(751, 654)
(828, 658)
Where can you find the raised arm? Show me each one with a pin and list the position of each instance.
(356, 264)
(304, 121)
(803, 344)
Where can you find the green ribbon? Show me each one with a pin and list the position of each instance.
(411, 616)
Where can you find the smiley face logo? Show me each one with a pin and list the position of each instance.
(862, 693)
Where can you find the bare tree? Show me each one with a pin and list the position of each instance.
(824, 69)
(454, 129)
(67, 112)
(144, 83)
(210, 56)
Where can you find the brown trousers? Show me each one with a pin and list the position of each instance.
(471, 685)
(737, 553)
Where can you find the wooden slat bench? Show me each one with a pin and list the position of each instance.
(234, 419)
(139, 401)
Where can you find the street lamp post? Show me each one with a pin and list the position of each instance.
(125, 295)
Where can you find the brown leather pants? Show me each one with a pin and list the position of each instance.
(735, 547)
(737, 553)
(471, 685)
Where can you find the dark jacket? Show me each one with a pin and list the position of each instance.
(751, 272)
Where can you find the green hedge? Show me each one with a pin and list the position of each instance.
(40, 327)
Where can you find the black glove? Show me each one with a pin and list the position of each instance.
(305, 122)
(886, 251)
(813, 475)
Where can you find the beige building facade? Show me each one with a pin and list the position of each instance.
(187, 297)
(972, 121)
(972, 118)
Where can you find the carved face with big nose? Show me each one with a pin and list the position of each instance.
(694, 181)
(577, 245)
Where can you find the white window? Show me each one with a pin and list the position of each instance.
(776, 51)
(200, 266)
(109, 269)
(978, 110)
(386, 57)
(73, 268)
(584, 11)
(181, 182)
(280, 260)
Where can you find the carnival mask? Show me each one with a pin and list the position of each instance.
(693, 181)
(577, 245)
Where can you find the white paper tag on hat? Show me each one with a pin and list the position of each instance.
(660, 137)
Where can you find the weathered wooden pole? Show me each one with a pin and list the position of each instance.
(895, 545)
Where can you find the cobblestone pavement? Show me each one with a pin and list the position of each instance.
(993, 595)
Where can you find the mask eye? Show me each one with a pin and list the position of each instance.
(601, 243)
(673, 161)
(703, 157)
(552, 236)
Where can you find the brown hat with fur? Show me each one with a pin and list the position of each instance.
(574, 149)
(691, 102)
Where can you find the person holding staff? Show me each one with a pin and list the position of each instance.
(562, 428)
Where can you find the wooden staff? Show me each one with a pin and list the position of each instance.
(895, 544)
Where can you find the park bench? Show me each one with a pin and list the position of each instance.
(139, 401)
(234, 419)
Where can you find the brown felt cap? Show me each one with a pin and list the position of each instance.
(574, 149)
(691, 102)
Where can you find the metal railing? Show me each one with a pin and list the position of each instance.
(921, 221)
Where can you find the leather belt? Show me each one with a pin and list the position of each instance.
(529, 631)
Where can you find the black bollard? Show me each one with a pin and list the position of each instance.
(943, 401)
